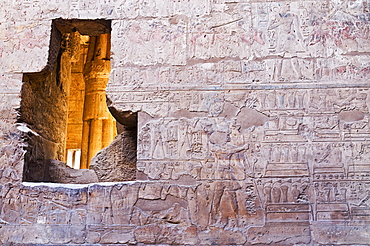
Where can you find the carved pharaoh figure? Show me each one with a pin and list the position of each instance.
(289, 39)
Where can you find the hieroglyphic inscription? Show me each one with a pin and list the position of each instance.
(253, 124)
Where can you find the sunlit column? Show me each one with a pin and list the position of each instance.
(98, 122)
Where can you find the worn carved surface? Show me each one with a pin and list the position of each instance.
(59, 172)
(253, 124)
(117, 162)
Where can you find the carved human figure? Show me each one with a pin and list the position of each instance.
(230, 158)
(204, 205)
(158, 149)
(239, 161)
(184, 143)
(289, 38)
(145, 142)
(225, 204)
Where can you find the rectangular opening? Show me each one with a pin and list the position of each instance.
(65, 105)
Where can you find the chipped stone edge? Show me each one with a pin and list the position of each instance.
(79, 186)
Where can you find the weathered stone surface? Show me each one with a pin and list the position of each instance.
(280, 234)
(84, 27)
(252, 123)
(117, 162)
(218, 236)
(164, 234)
(351, 116)
(114, 238)
(351, 234)
(59, 172)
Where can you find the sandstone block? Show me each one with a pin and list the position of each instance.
(59, 172)
(117, 162)
(219, 236)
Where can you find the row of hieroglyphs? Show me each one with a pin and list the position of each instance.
(321, 161)
(230, 204)
(252, 115)
(132, 9)
(220, 131)
(137, 204)
(243, 72)
(270, 101)
(282, 42)
(267, 28)
(275, 41)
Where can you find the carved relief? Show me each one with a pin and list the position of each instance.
(256, 128)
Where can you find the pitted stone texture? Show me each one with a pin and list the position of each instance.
(19, 41)
(59, 172)
(117, 162)
(253, 124)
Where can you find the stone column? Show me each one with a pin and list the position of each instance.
(79, 46)
(98, 123)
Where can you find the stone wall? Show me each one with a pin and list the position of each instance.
(253, 124)
(44, 108)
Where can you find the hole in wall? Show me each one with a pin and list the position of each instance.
(65, 106)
